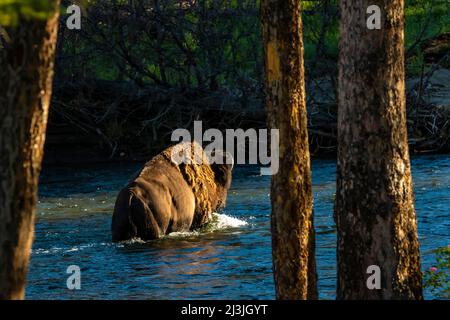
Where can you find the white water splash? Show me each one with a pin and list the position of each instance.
(224, 221)
(133, 241)
(219, 222)
(183, 234)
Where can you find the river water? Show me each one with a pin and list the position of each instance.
(231, 259)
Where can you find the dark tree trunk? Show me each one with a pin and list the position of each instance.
(26, 73)
(374, 207)
(291, 192)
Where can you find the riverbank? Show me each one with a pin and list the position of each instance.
(105, 121)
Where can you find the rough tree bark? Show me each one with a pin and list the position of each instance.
(26, 73)
(291, 192)
(374, 207)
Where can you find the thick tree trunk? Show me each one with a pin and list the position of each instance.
(26, 73)
(291, 193)
(374, 208)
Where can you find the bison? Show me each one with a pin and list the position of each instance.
(168, 196)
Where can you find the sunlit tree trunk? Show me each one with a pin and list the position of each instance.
(26, 73)
(291, 192)
(374, 209)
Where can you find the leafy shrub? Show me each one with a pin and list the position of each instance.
(437, 277)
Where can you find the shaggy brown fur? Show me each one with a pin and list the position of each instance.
(165, 197)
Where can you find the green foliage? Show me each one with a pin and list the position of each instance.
(199, 44)
(423, 19)
(320, 24)
(437, 277)
(211, 41)
(415, 65)
(12, 10)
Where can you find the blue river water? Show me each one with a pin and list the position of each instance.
(231, 259)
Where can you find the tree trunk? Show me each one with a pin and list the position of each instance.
(374, 207)
(25, 88)
(291, 192)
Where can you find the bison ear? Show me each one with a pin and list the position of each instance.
(222, 173)
(222, 167)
